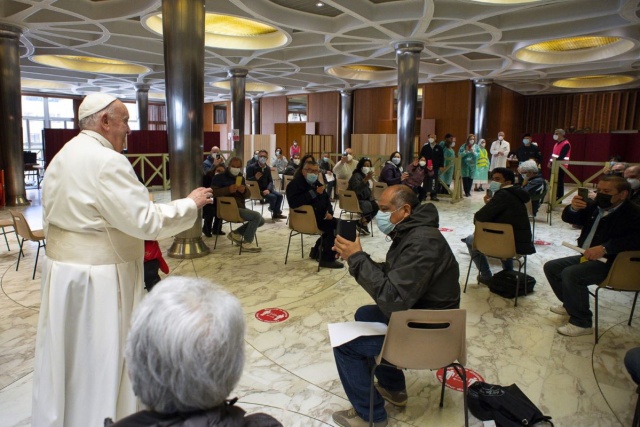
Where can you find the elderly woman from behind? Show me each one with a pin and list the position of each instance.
(533, 183)
(185, 354)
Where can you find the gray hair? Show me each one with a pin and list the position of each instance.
(91, 122)
(561, 131)
(185, 350)
(528, 166)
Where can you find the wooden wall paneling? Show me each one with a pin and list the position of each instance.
(324, 108)
(273, 109)
(295, 130)
(280, 130)
(208, 117)
(372, 107)
(450, 105)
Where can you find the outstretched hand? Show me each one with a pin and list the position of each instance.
(202, 196)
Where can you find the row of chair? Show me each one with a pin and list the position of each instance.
(23, 232)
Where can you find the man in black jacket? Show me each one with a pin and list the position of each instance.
(507, 205)
(611, 224)
(434, 152)
(305, 189)
(261, 173)
(528, 150)
(420, 272)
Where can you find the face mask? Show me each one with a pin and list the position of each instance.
(383, 219)
(349, 157)
(495, 186)
(500, 138)
(325, 159)
(603, 200)
(295, 144)
(555, 137)
(311, 178)
(526, 141)
(524, 176)
(453, 144)
(366, 170)
(634, 183)
(396, 161)
(482, 144)
(296, 161)
(255, 157)
(235, 171)
(471, 141)
(431, 140)
(422, 163)
(262, 160)
(278, 152)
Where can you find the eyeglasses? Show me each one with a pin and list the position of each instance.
(311, 170)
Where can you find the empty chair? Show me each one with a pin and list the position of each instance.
(425, 339)
(302, 220)
(624, 276)
(349, 203)
(256, 196)
(378, 189)
(496, 240)
(341, 185)
(287, 180)
(227, 211)
(24, 232)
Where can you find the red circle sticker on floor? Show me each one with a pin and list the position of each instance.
(454, 381)
(272, 315)
(444, 229)
(541, 243)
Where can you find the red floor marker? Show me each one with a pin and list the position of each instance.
(444, 229)
(272, 315)
(454, 382)
(541, 243)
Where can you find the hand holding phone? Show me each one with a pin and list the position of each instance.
(583, 192)
(347, 229)
(238, 180)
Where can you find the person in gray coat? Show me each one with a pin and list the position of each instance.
(420, 272)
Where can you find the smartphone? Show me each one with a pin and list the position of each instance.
(489, 193)
(347, 229)
(238, 180)
(584, 193)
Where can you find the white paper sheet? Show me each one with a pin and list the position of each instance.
(579, 249)
(329, 177)
(341, 333)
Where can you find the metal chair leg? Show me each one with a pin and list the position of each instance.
(633, 308)
(444, 381)
(21, 242)
(288, 244)
(372, 394)
(4, 233)
(468, 272)
(596, 312)
(33, 276)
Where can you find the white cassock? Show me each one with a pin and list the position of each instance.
(499, 147)
(96, 215)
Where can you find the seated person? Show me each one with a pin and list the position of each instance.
(185, 354)
(533, 183)
(611, 224)
(224, 184)
(292, 165)
(261, 173)
(279, 161)
(254, 159)
(211, 223)
(392, 172)
(632, 175)
(361, 182)
(305, 189)
(326, 168)
(416, 172)
(419, 272)
(505, 206)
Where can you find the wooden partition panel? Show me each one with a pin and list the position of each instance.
(450, 104)
(324, 108)
(258, 142)
(317, 144)
(505, 113)
(373, 110)
(273, 109)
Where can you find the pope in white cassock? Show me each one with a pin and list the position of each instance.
(96, 215)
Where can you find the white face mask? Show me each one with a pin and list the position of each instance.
(634, 183)
(453, 144)
(556, 137)
(422, 163)
(366, 170)
(235, 171)
(431, 140)
(349, 157)
(500, 138)
(296, 161)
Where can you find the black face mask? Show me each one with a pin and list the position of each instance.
(615, 173)
(603, 200)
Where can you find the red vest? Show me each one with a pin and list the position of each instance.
(557, 148)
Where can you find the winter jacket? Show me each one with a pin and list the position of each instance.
(617, 232)
(416, 175)
(435, 154)
(300, 192)
(527, 152)
(220, 185)
(536, 187)
(391, 174)
(266, 180)
(221, 416)
(359, 186)
(507, 206)
(420, 271)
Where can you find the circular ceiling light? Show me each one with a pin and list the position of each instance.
(231, 32)
(250, 86)
(90, 64)
(572, 50)
(586, 82)
(362, 72)
(44, 84)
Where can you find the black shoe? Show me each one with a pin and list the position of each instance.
(363, 229)
(313, 254)
(263, 201)
(207, 232)
(435, 199)
(331, 264)
(484, 280)
(279, 216)
(219, 233)
(481, 189)
(467, 195)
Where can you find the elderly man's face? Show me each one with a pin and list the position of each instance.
(618, 167)
(117, 126)
(632, 172)
(398, 213)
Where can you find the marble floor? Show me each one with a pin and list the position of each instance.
(290, 371)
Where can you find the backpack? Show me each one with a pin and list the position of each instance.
(504, 283)
(507, 406)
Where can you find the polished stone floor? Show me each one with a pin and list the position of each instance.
(290, 370)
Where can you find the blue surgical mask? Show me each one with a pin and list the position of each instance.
(526, 141)
(524, 176)
(255, 157)
(262, 160)
(494, 186)
(311, 178)
(383, 219)
(396, 161)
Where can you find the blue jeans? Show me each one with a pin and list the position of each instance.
(355, 360)
(248, 230)
(569, 279)
(481, 262)
(275, 202)
(632, 363)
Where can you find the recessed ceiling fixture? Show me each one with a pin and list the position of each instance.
(363, 72)
(90, 64)
(232, 32)
(44, 84)
(250, 86)
(319, 4)
(586, 82)
(572, 50)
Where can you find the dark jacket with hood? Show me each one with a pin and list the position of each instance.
(507, 206)
(359, 186)
(419, 272)
(221, 183)
(617, 232)
(391, 174)
(222, 416)
(537, 188)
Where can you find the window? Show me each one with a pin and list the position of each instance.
(134, 122)
(297, 108)
(220, 114)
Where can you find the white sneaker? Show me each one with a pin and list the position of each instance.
(248, 247)
(571, 330)
(559, 309)
(235, 237)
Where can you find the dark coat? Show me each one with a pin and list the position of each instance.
(391, 174)
(435, 154)
(525, 153)
(300, 192)
(617, 232)
(419, 272)
(266, 181)
(359, 186)
(225, 416)
(507, 206)
(220, 185)
(537, 188)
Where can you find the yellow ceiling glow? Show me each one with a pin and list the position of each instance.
(574, 50)
(250, 86)
(44, 84)
(231, 32)
(90, 64)
(363, 72)
(596, 81)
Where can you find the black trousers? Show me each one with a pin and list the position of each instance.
(560, 184)
(328, 226)
(467, 183)
(432, 183)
